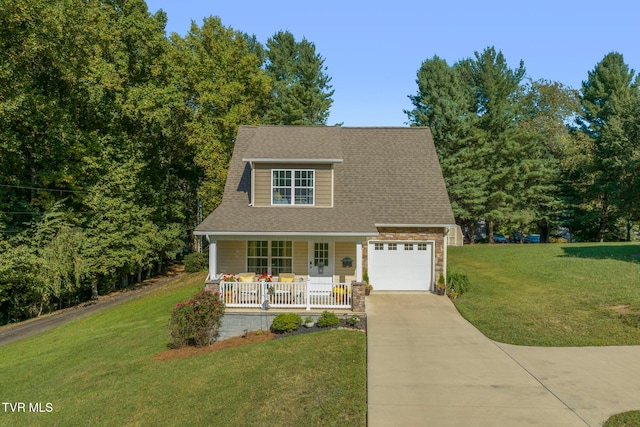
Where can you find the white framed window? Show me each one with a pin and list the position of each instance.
(273, 257)
(422, 246)
(321, 253)
(408, 246)
(393, 246)
(292, 187)
(378, 246)
(258, 256)
(281, 257)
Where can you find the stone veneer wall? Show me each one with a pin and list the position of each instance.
(213, 286)
(357, 297)
(413, 233)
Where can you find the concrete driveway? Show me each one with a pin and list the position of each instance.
(428, 366)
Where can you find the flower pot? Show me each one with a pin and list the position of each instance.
(367, 291)
(441, 291)
(309, 325)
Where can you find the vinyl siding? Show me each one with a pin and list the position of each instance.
(262, 183)
(345, 250)
(300, 258)
(232, 256)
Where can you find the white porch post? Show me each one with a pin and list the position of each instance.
(213, 257)
(359, 261)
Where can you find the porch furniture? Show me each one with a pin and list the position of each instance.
(287, 277)
(247, 277)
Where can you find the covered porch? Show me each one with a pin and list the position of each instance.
(288, 271)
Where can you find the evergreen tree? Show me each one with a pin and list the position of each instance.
(494, 159)
(301, 90)
(610, 98)
(446, 105)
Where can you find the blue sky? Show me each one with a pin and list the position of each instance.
(373, 49)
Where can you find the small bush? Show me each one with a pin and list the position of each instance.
(353, 320)
(326, 319)
(195, 262)
(286, 322)
(457, 283)
(196, 321)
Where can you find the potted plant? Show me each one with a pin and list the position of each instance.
(368, 287)
(265, 278)
(441, 287)
(308, 322)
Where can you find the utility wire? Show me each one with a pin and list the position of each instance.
(22, 187)
(56, 190)
(21, 213)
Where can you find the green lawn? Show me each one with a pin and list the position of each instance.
(552, 294)
(626, 419)
(100, 370)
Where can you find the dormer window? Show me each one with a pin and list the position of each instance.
(292, 187)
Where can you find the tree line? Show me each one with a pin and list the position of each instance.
(115, 138)
(535, 155)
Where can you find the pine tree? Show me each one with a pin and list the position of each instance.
(610, 98)
(301, 90)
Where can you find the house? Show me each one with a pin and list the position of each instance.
(331, 203)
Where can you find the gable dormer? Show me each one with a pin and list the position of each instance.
(293, 169)
(289, 182)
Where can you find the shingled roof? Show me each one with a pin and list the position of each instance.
(382, 176)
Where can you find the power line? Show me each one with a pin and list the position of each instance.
(23, 187)
(21, 213)
(57, 190)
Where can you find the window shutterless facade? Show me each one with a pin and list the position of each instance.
(292, 187)
(273, 257)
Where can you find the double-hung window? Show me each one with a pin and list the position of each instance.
(273, 257)
(292, 187)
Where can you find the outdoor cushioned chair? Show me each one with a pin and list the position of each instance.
(247, 295)
(247, 277)
(286, 277)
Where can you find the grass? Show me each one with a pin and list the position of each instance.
(552, 294)
(625, 419)
(101, 370)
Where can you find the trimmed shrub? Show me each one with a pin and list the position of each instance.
(195, 262)
(327, 318)
(286, 322)
(197, 320)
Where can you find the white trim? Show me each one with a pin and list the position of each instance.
(416, 225)
(301, 160)
(292, 187)
(359, 261)
(245, 234)
(253, 187)
(213, 258)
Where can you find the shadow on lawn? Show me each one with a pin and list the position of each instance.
(628, 253)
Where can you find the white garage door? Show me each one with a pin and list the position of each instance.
(400, 266)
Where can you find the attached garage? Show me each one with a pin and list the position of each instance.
(401, 265)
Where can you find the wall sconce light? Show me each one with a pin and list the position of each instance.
(347, 262)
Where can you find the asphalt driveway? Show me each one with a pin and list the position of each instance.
(11, 333)
(428, 366)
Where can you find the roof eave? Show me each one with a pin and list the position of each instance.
(417, 225)
(297, 160)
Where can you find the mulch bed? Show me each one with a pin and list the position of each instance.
(250, 338)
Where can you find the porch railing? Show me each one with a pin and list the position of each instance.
(286, 295)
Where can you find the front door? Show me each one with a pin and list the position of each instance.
(321, 262)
